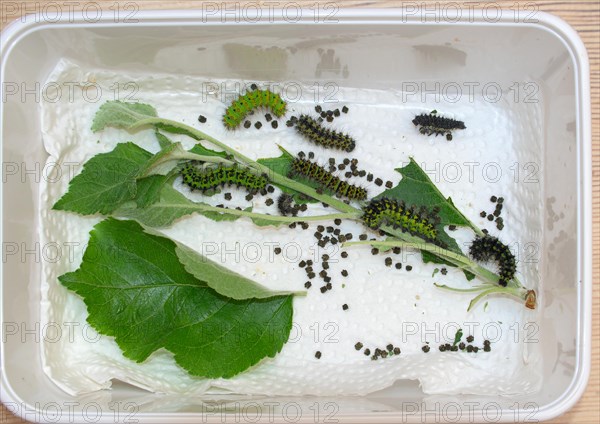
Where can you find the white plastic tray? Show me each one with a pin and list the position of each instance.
(502, 48)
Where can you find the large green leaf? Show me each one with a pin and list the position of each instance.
(106, 181)
(137, 291)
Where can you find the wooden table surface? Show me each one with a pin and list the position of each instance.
(584, 16)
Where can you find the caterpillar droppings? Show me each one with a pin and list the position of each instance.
(212, 178)
(419, 222)
(253, 99)
(331, 139)
(326, 179)
(489, 248)
(432, 123)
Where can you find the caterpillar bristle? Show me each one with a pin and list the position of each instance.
(252, 100)
(489, 248)
(431, 123)
(325, 137)
(326, 179)
(212, 178)
(419, 222)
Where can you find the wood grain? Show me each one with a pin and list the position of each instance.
(584, 16)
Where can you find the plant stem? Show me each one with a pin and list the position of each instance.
(259, 168)
(460, 261)
(203, 158)
(275, 218)
(348, 211)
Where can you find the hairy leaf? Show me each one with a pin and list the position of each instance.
(121, 115)
(163, 140)
(106, 181)
(137, 291)
(149, 189)
(222, 280)
(173, 205)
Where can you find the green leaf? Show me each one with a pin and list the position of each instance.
(163, 162)
(282, 165)
(469, 275)
(173, 205)
(149, 188)
(268, 221)
(222, 280)
(173, 129)
(458, 337)
(106, 181)
(219, 216)
(416, 188)
(138, 292)
(163, 140)
(121, 115)
(199, 149)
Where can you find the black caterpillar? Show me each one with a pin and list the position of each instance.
(286, 205)
(317, 173)
(488, 248)
(322, 136)
(211, 178)
(433, 124)
(418, 222)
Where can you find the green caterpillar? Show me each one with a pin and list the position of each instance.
(418, 222)
(211, 178)
(317, 173)
(243, 105)
(322, 136)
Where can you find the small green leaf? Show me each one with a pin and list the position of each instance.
(121, 115)
(199, 149)
(106, 181)
(469, 275)
(163, 140)
(266, 221)
(416, 188)
(458, 337)
(222, 280)
(173, 129)
(220, 216)
(163, 162)
(137, 291)
(282, 165)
